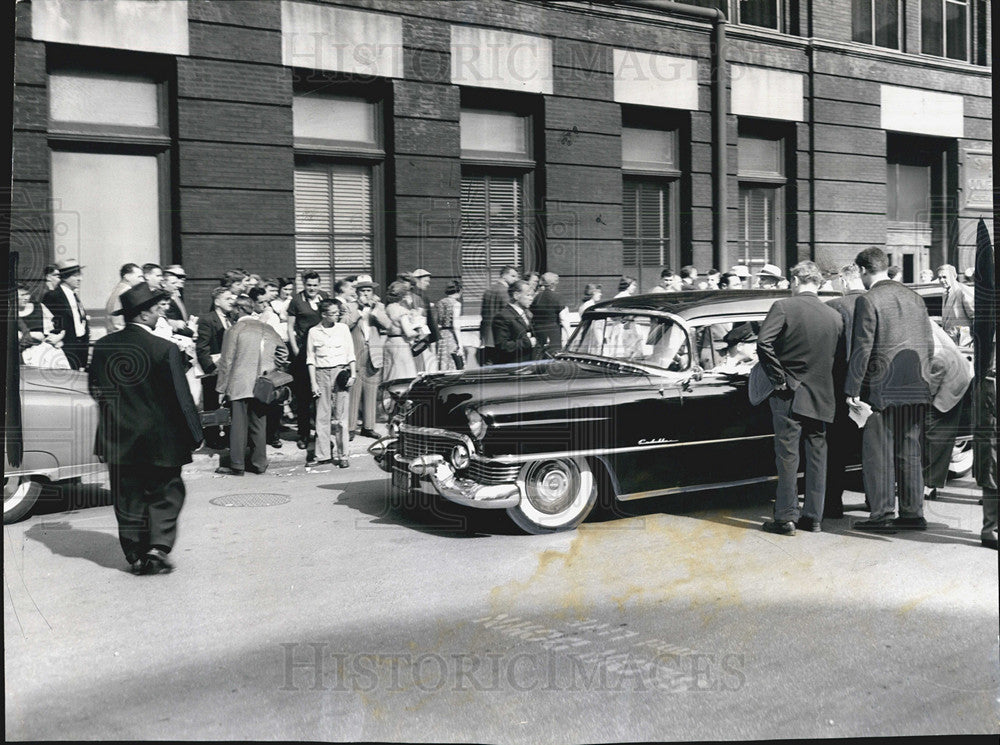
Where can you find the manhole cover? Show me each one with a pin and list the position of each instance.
(250, 500)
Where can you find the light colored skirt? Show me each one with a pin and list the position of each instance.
(398, 360)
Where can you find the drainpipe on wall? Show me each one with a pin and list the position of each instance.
(719, 139)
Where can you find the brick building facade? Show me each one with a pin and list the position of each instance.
(575, 137)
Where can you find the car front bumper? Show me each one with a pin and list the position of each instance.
(432, 474)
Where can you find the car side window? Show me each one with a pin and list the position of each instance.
(728, 347)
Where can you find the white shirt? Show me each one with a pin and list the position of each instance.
(329, 346)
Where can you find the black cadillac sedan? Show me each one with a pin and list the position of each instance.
(649, 398)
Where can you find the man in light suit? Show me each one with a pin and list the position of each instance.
(513, 338)
(958, 306)
(949, 379)
(373, 325)
(345, 293)
(147, 429)
(249, 349)
(495, 299)
(68, 314)
(891, 347)
(796, 346)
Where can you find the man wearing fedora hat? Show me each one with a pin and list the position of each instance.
(68, 314)
(176, 314)
(147, 428)
(769, 277)
(373, 325)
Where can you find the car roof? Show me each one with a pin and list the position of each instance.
(694, 304)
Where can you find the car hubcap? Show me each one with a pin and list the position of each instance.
(551, 486)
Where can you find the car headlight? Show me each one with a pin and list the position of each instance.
(388, 402)
(460, 457)
(477, 425)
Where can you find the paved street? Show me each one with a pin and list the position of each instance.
(331, 616)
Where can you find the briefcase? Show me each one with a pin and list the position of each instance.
(268, 387)
(216, 418)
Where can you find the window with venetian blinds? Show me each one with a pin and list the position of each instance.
(492, 228)
(645, 224)
(757, 224)
(333, 219)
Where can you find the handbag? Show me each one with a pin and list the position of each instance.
(419, 346)
(459, 360)
(270, 386)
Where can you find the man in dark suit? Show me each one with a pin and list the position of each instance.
(797, 344)
(891, 347)
(208, 347)
(550, 317)
(147, 429)
(512, 335)
(495, 299)
(843, 431)
(68, 314)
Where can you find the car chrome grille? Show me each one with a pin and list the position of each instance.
(413, 445)
(492, 473)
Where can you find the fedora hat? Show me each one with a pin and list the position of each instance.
(418, 273)
(770, 270)
(139, 298)
(68, 267)
(176, 269)
(364, 284)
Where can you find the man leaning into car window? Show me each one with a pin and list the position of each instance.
(797, 345)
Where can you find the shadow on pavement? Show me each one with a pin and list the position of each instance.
(64, 539)
(71, 495)
(421, 512)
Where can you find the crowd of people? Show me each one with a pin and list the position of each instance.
(338, 347)
(873, 359)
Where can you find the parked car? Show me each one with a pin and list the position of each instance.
(639, 404)
(59, 422)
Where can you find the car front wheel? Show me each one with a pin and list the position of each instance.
(556, 495)
(19, 496)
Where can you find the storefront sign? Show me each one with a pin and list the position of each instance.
(977, 181)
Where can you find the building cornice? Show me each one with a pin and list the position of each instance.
(733, 31)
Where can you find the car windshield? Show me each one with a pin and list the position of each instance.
(649, 340)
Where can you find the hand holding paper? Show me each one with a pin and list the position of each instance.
(859, 411)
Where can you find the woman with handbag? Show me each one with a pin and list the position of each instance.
(449, 348)
(332, 366)
(401, 334)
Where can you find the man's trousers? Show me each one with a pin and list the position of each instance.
(248, 434)
(789, 429)
(891, 447)
(148, 500)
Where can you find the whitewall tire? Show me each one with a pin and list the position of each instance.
(19, 496)
(556, 494)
